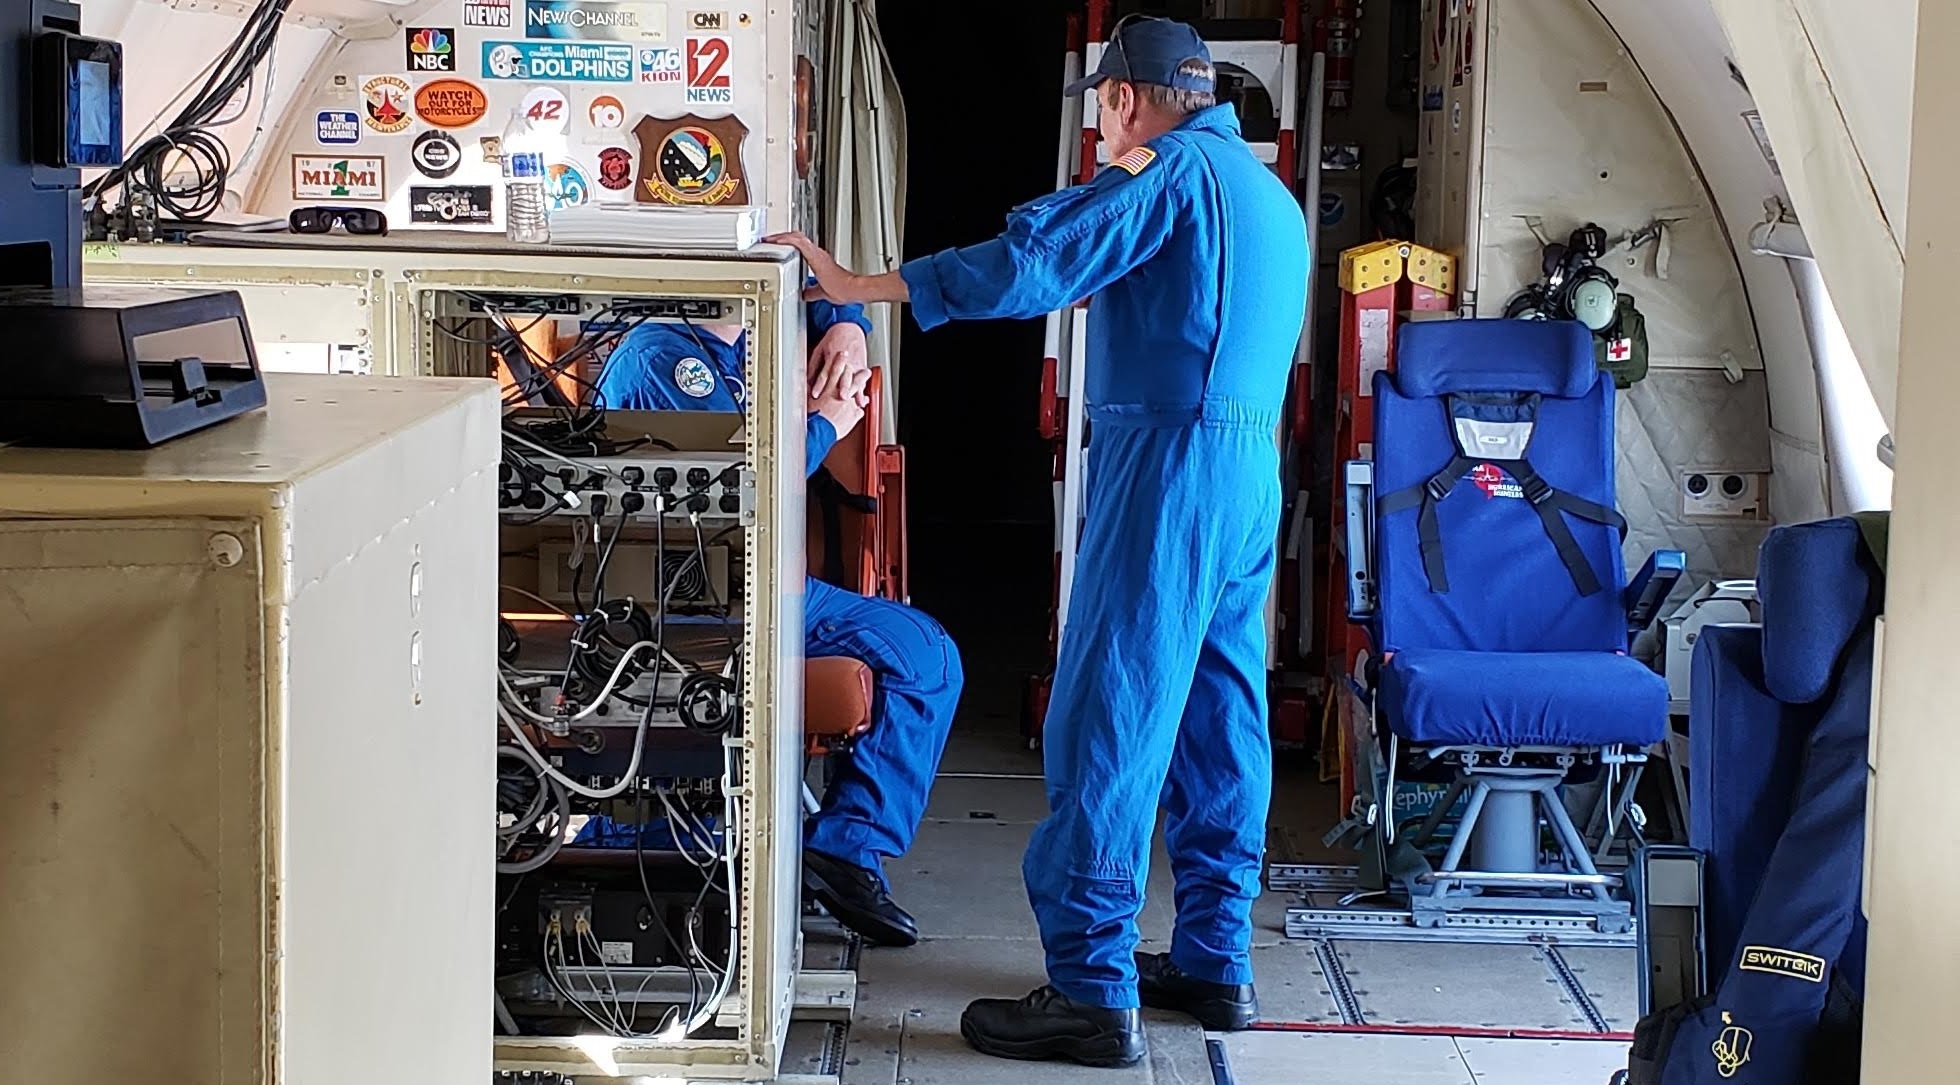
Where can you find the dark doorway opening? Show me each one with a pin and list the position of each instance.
(982, 88)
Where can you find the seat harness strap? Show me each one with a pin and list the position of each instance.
(1495, 430)
(832, 497)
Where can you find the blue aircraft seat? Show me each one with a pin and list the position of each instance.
(1778, 741)
(1497, 599)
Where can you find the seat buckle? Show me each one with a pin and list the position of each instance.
(1439, 486)
(1536, 490)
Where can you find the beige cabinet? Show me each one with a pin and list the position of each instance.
(247, 749)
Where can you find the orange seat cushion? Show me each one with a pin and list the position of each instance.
(836, 698)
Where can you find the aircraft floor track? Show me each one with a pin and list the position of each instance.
(1521, 991)
(1574, 990)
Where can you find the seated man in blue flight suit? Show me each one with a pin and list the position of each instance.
(872, 808)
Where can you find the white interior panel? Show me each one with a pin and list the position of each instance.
(1573, 134)
(1841, 149)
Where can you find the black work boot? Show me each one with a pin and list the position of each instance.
(1220, 1007)
(1049, 1025)
(858, 900)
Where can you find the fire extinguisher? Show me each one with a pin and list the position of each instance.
(1334, 35)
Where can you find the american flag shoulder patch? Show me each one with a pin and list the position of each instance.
(1134, 161)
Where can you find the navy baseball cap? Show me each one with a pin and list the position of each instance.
(1149, 49)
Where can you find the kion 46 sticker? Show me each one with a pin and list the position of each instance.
(660, 64)
(387, 100)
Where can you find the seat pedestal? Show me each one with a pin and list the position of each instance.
(1499, 832)
(1506, 840)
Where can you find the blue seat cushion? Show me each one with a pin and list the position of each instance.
(1444, 697)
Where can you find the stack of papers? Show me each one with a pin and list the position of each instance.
(658, 226)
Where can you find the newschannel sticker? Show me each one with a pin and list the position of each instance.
(558, 62)
(600, 20)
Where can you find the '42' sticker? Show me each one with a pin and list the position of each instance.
(545, 110)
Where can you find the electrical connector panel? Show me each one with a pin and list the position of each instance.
(638, 486)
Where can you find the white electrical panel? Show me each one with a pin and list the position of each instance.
(248, 749)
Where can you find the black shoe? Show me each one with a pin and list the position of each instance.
(858, 900)
(1048, 1025)
(1220, 1007)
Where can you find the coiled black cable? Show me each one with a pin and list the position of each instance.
(604, 636)
(708, 703)
(187, 138)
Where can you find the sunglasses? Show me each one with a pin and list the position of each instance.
(322, 220)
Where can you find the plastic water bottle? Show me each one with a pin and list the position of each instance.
(524, 206)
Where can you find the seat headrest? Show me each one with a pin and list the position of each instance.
(1441, 357)
(1818, 586)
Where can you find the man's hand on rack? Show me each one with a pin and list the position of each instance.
(841, 354)
(835, 283)
(843, 404)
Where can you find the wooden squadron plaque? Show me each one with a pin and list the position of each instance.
(691, 162)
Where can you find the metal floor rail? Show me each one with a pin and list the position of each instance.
(1352, 917)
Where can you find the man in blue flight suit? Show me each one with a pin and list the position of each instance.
(1195, 256)
(872, 808)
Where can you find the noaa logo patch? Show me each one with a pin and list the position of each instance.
(693, 378)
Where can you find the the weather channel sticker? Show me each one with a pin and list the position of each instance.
(595, 20)
(558, 62)
(335, 127)
(431, 49)
(493, 14)
(659, 64)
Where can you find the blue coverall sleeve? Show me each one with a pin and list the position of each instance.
(825, 315)
(819, 436)
(639, 374)
(1056, 250)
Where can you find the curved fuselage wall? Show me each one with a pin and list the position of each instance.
(1539, 115)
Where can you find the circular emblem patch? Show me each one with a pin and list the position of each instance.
(615, 168)
(606, 113)
(692, 167)
(565, 185)
(436, 154)
(693, 377)
(388, 101)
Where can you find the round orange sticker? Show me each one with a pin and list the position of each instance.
(450, 103)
